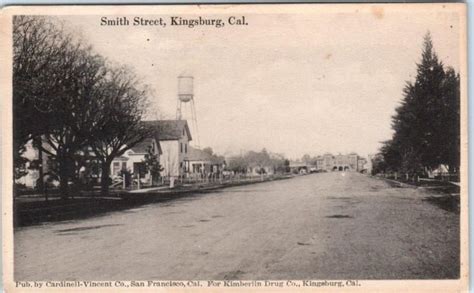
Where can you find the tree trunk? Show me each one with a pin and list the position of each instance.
(63, 178)
(40, 182)
(41, 172)
(104, 178)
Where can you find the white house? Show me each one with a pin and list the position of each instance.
(30, 180)
(133, 160)
(174, 137)
(170, 143)
(198, 162)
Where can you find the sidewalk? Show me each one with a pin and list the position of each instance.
(424, 183)
(156, 193)
(34, 209)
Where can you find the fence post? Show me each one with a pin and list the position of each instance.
(138, 180)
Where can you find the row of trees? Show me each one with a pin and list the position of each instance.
(309, 160)
(427, 123)
(214, 157)
(252, 159)
(71, 102)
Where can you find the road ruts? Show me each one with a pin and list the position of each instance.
(320, 226)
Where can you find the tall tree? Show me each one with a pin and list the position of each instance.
(73, 109)
(237, 164)
(69, 101)
(208, 150)
(119, 128)
(37, 45)
(428, 92)
(426, 124)
(448, 122)
(306, 159)
(54, 80)
(152, 164)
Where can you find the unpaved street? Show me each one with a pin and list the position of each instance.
(321, 226)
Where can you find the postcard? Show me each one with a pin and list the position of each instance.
(249, 147)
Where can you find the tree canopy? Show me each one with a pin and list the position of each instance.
(262, 159)
(426, 124)
(70, 100)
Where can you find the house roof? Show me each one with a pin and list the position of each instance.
(142, 147)
(195, 154)
(169, 129)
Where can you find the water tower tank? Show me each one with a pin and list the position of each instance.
(185, 88)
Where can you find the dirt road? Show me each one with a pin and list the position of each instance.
(321, 226)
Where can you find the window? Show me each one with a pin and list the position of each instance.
(197, 168)
(116, 168)
(186, 148)
(181, 146)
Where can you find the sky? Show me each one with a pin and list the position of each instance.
(323, 80)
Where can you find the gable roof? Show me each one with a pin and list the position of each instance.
(169, 129)
(199, 155)
(142, 147)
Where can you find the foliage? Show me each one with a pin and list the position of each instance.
(152, 163)
(306, 159)
(426, 124)
(71, 99)
(213, 156)
(119, 127)
(237, 164)
(258, 160)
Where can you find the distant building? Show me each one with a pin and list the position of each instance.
(349, 162)
(361, 165)
(299, 167)
(352, 160)
(320, 163)
(328, 164)
(369, 165)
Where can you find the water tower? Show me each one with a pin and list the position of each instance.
(185, 108)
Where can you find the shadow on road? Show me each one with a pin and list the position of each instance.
(448, 203)
(33, 212)
(27, 213)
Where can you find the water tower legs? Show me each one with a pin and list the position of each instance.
(178, 110)
(194, 122)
